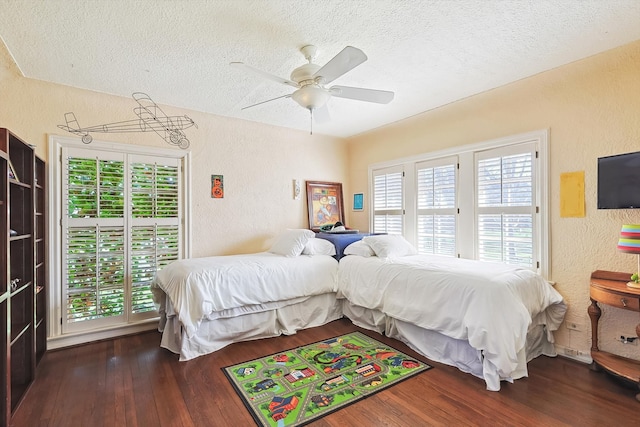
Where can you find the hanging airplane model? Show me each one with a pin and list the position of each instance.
(150, 118)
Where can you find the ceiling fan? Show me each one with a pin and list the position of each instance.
(310, 80)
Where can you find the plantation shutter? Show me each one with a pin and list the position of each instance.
(506, 205)
(155, 226)
(388, 206)
(121, 223)
(94, 255)
(436, 206)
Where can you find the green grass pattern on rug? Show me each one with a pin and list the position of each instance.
(297, 386)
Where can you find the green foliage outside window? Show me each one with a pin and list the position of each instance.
(95, 262)
(95, 188)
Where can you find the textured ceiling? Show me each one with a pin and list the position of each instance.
(429, 53)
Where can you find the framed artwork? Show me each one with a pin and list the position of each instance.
(217, 187)
(358, 201)
(324, 201)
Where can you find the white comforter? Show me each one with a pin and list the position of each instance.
(198, 287)
(490, 305)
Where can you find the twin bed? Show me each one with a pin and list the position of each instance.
(206, 304)
(486, 319)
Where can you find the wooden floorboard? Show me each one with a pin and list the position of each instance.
(131, 381)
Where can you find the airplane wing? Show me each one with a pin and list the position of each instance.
(168, 128)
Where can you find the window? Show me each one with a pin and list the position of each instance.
(485, 201)
(388, 210)
(121, 220)
(506, 205)
(436, 208)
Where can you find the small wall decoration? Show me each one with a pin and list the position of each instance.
(296, 189)
(217, 187)
(324, 201)
(150, 118)
(572, 195)
(358, 201)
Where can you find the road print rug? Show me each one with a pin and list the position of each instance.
(297, 386)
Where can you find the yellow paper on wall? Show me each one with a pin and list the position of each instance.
(572, 195)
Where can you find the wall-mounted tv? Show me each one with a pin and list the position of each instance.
(619, 181)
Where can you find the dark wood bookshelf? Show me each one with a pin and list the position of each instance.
(23, 264)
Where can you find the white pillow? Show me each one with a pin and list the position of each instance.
(390, 246)
(291, 242)
(319, 247)
(359, 248)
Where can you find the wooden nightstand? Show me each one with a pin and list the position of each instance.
(610, 288)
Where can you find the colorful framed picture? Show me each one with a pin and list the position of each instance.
(358, 201)
(324, 201)
(217, 187)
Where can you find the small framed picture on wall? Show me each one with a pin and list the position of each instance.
(358, 201)
(217, 187)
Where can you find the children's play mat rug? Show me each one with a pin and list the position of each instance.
(297, 386)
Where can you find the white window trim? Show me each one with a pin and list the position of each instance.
(465, 154)
(56, 339)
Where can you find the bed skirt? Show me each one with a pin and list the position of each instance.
(454, 352)
(212, 335)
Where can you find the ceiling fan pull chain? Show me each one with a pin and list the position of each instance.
(311, 126)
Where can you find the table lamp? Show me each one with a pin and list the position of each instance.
(630, 243)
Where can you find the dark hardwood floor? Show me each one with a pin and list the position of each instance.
(131, 381)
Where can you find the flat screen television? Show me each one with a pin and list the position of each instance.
(619, 181)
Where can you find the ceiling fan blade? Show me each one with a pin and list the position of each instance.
(362, 94)
(349, 58)
(268, 100)
(264, 74)
(321, 115)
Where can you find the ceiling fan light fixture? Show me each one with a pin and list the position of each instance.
(311, 97)
(310, 80)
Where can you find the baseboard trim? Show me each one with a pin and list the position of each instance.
(69, 340)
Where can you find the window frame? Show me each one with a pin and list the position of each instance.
(466, 197)
(58, 336)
